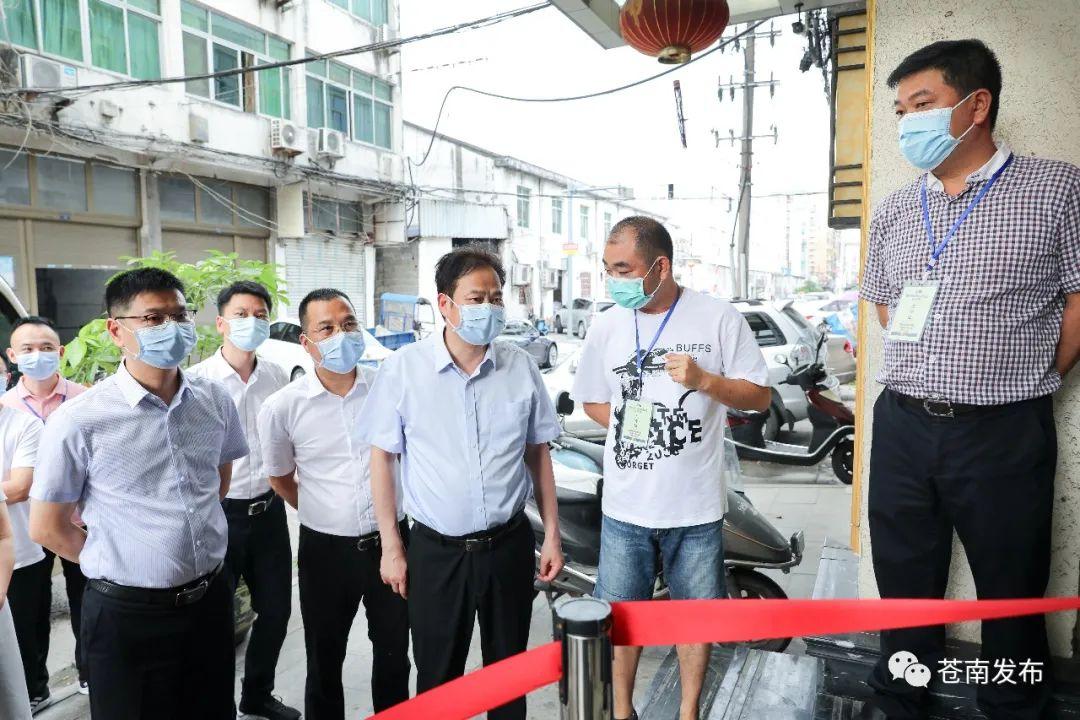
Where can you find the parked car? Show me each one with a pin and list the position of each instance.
(283, 349)
(778, 331)
(579, 318)
(527, 337)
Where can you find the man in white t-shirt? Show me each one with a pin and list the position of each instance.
(659, 371)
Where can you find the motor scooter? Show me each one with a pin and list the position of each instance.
(751, 542)
(833, 423)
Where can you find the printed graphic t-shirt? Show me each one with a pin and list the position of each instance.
(676, 479)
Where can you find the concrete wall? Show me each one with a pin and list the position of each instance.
(1037, 45)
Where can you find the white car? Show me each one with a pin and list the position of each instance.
(283, 349)
(778, 331)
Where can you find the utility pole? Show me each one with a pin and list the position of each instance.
(742, 259)
(740, 248)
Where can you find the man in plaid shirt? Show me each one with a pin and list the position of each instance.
(975, 271)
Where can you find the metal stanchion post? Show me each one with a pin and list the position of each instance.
(583, 625)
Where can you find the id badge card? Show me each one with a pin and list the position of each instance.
(637, 420)
(909, 319)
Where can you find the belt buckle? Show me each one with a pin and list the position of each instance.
(192, 595)
(474, 544)
(258, 507)
(365, 544)
(929, 406)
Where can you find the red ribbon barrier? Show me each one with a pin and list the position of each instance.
(678, 622)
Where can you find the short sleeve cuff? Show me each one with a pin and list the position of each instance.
(385, 442)
(54, 496)
(544, 434)
(874, 296)
(280, 470)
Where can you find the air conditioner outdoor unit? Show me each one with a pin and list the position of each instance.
(522, 275)
(385, 33)
(34, 72)
(331, 144)
(388, 167)
(286, 137)
(551, 279)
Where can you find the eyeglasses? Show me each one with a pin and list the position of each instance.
(325, 331)
(155, 319)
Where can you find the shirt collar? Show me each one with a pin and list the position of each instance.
(315, 387)
(442, 356)
(983, 173)
(220, 369)
(133, 392)
(24, 392)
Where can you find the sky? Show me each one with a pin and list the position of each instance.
(626, 138)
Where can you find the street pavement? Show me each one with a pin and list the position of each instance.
(807, 499)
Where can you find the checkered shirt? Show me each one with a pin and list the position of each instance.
(993, 332)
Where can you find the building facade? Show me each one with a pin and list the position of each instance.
(298, 165)
(548, 228)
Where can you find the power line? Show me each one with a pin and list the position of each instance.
(572, 98)
(385, 45)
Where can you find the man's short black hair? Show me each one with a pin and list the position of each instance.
(316, 296)
(967, 65)
(243, 287)
(32, 320)
(652, 238)
(123, 288)
(458, 263)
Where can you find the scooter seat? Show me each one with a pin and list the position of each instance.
(568, 497)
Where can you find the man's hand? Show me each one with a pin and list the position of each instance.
(394, 570)
(551, 560)
(684, 371)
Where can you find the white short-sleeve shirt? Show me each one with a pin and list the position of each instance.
(20, 434)
(676, 479)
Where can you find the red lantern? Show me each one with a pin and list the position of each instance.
(672, 30)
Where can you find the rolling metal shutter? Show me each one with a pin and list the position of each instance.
(319, 262)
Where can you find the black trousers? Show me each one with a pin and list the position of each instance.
(335, 577)
(74, 586)
(989, 476)
(260, 553)
(30, 595)
(449, 588)
(160, 662)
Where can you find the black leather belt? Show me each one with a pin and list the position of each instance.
(475, 542)
(254, 506)
(182, 596)
(943, 408)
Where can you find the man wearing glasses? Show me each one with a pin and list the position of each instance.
(147, 456)
(319, 465)
(259, 548)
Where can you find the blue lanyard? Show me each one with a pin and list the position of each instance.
(35, 412)
(640, 357)
(936, 251)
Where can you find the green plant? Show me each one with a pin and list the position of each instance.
(92, 354)
(809, 286)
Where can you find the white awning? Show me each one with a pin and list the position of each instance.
(456, 219)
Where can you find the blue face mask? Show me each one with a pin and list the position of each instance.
(165, 346)
(341, 352)
(630, 292)
(926, 138)
(38, 365)
(248, 333)
(480, 324)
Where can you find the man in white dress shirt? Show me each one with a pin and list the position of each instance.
(259, 548)
(471, 420)
(317, 462)
(13, 702)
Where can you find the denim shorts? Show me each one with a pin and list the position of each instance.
(631, 557)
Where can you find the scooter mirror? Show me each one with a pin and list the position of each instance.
(781, 359)
(823, 328)
(563, 404)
